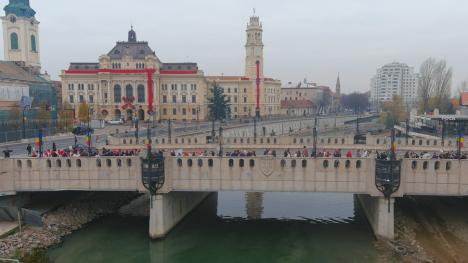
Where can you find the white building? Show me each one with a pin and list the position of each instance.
(394, 79)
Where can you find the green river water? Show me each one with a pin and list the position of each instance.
(235, 227)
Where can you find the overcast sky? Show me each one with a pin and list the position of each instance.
(311, 39)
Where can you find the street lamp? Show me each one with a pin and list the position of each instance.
(90, 111)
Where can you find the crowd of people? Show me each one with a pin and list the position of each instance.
(435, 155)
(78, 151)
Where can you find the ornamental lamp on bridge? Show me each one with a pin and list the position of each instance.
(388, 172)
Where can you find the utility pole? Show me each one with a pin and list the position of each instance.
(314, 151)
(169, 130)
(89, 131)
(407, 131)
(136, 129)
(257, 109)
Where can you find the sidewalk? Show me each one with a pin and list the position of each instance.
(60, 136)
(6, 227)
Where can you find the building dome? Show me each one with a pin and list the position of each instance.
(20, 8)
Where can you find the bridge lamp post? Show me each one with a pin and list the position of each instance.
(137, 126)
(88, 137)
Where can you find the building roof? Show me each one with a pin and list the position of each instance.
(13, 72)
(186, 66)
(20, 8)
(227, 78)
(136, 50)
(296, 104)
(83, 66)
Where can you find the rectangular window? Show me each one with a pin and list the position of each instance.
(184, 99)
(164, 99)
(245, 109)
(174, 99)
(81, 99)
(194, 112)
(245, 99)
(164, 111)
(71, 99)
(194, 99)
(184, 111)
(91, 99)
(174, 111)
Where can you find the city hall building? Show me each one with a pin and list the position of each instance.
(131, 81)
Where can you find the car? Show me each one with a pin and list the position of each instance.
(115, 122)
(82, 130)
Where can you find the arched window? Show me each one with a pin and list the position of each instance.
(141, 93)
(14, 41)
(33, 43)
(117, 94)
(129, 91)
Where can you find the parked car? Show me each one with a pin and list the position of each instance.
(115, 122)
(82, 130)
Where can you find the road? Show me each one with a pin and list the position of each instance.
(101, 135)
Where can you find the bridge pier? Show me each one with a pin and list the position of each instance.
(378, 215)
(167, 210)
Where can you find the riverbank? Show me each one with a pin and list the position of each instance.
(63, 221)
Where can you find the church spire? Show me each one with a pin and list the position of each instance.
(132, 35)
(338, 86)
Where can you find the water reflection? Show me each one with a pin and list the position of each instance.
(288, 227)
(254, 205)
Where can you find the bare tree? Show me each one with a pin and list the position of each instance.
(462, 87)
(435, 82)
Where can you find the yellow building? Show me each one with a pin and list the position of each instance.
(131, 81)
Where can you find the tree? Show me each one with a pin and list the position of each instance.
(435, 82)
(44, 115)
(462, 87)
(393, 112)
(323, 102)
(15, 118)
(83, 112)
(66, 116)
(218, 106)
(355, 101)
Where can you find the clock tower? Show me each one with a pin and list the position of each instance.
(21, 34)
(254, 48)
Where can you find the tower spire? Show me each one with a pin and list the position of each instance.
(132, 35)
(338, 85)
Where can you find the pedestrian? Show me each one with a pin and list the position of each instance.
(7, 153)
(29, 149)
(54, 147)
(349, 154)
(305, 152)
(76, 140)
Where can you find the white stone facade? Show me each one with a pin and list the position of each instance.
(180, 90)
(26, 32)
(394, 79)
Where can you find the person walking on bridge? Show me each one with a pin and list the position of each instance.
(29, 149)
(54, 147)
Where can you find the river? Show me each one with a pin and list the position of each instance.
(235, 227)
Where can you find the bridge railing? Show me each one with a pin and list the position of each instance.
(294, 140)
(435, 177)
(75, 173)
(268, 173)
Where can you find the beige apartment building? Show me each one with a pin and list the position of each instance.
(131, 81)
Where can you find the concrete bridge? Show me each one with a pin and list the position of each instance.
(188, 180)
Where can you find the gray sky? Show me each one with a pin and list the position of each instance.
(303, 38)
